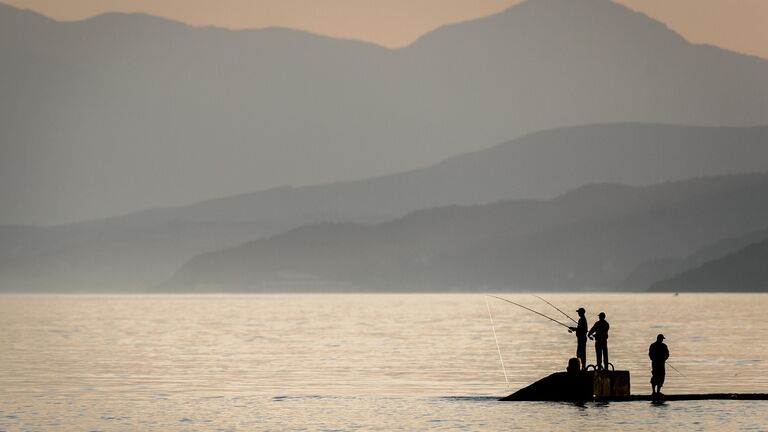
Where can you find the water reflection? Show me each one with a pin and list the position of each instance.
(395, 362)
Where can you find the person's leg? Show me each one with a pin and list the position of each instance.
(598, 355)
(661, 380)
(601, 356)
(605, 355)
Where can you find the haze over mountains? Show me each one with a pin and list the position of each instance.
(122, 112)
(144, 249)
(745, 270)
(649, 274)
(591, 238)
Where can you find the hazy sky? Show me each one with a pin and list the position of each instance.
(738, 25)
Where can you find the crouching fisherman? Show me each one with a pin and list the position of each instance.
(659, 353)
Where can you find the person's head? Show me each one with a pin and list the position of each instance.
(581, 311)
(601, 315)
(660, 338)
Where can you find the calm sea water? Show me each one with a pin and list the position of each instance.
(362, 362)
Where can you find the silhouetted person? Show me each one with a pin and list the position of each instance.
(574, 365)
(659, 353)
(581, 338)
(600, 330)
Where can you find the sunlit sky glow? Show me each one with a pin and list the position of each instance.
(734, 25)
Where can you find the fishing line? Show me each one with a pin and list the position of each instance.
(493, 327)
(557, 308)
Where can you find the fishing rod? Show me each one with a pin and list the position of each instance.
(531, 310)
(675, 369)
(557, 308)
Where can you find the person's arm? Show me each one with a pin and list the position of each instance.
(650, 352)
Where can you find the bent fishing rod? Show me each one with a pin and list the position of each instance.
(530, 310)
(556, 308)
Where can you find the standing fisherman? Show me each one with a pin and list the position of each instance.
(600, 330)
(581, 338)
(659, 353)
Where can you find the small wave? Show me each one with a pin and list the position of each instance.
(309, 397)
(748, 362)
(470, 398)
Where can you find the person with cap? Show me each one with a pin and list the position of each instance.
(581, 337)
(659, 353)
(600, 330)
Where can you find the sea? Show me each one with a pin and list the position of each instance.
(348, 362)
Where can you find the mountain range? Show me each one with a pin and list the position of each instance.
(647, 275)
(122, 112)
(140, 250)
(743, 270)
(588, 239)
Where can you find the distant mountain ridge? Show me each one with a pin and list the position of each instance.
(120, 112)
(590, 238)
(745, 270)
(539, 165)
(139, 250)
(657, 270)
